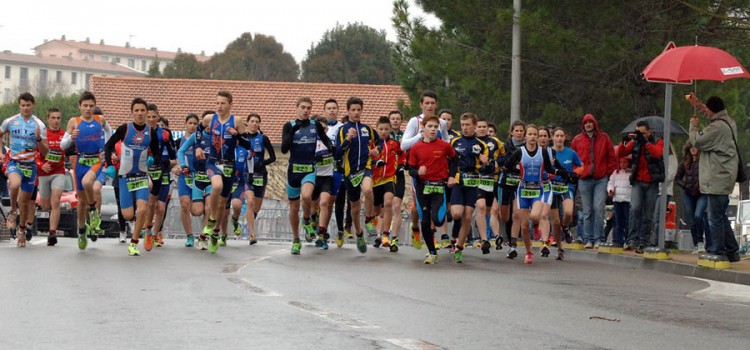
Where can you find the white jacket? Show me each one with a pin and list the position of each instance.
(619, 182)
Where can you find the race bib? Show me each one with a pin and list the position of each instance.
(136, 183)
(430, 189)
(357, 178)
(512, 180)
(258, 180)
(326, 161)
(88, 160)
(559, 188)
(201, 176)
(165, 180)
(188, 180)
(226, 169)
(234, 186)
(531, 190)
(302, 168)
(469, 180)
(26, 170)
(487, 184)
(54, 156)
(154, 172)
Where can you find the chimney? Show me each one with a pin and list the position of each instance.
(127, 45)
(179, 50)
(153, 49)
(88, 41)
(101, 42)
(63, 37)
(203, 52)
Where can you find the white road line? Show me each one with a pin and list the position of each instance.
(332, 316)
(237, 267)
(722, 292)
(250, 287)
(413, 344)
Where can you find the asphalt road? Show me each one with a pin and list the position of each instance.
(261, 297)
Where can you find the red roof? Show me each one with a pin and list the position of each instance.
(68, 63)
(274, 101)
(121, 50)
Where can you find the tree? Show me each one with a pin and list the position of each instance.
(153, 69)
(355, 54)
(185, 65)
(253, 58)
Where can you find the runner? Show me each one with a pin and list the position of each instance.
(428, 165)
(543, 228)
(353, 146)
(324, 183)
(387, 161)
(471, 155)
(509, 184)
(185, 180)
(160, 182)
(488, 188)
(260, 145)
(89, 133)
(532, 162)
(445, 240)
(136, 141)
(52, 173)
(242, 190)
(337, 197)
(398, 196)
(299, 138)
(27, 136)
(190, 149)
(563, 191)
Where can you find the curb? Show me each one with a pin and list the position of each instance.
(667, 266)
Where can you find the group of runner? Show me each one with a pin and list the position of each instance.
(467, 176)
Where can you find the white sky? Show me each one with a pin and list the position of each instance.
(193, 26)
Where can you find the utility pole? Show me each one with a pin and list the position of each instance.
(515, 80)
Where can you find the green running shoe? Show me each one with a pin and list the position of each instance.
(223, 241)
(309, 232)
(190, 241)
(133, 250)
(209, 228)
(82, 241)
(371, 229)
(431, 259)
(394, 245)
(458, 256)
(296, 247)
(213, 244)
(237, 228)
(361, 244)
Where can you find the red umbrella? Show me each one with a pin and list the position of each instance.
(683, 64)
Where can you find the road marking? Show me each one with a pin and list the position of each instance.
(332, 316)
(413, 344)
(250, 287)
(722, 292)
(237, 267)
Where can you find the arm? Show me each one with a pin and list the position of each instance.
(322, 135)
(412, 135)
(656, 150)
(170, 146)
(286, 138)
(342, 144)
(271, 153)
(679, 176)
(512, 161)
(184, 147)
(244, 141)
(154, 146)
(107, 130)
(109, 147)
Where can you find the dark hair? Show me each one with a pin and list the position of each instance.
(192, 116)
(138, 101)
(643, 123)
(251, 115)
(53, 110)
(152, 107)
(86, 95)
(164, 120)
(549, 135)
(516, 123)
(483, 119)
(304, 99)
(98, 111)
(205, 113)
(395, 111)
(354, 101)
(559, 129)
(384, 120)
(227, 94)
(492, 126)
(715, 104)
(319, 118)
(330, 100)
(27, 96)
(427, 93)
(445, 110)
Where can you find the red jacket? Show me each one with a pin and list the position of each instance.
(392, 155)
(604, 161)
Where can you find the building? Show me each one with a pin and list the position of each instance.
(46, 76)
(139, 59)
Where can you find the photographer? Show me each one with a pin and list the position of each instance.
(647, 173)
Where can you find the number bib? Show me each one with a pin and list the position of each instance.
(54, 156)
(154, 172)
(302, 168)
(136, 183)
(326, 161)
(357, 178)
(512, 180)
(227, 170)
(201, 176)
(88, 160)
(430, 189)
(559, 187)
(26, 169)
(487, 184)
(258, 180)
(531, 190)
(189, 180)
(234, 186)
(469, 180)
(165, 180)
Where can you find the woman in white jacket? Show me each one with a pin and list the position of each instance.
(619, 189)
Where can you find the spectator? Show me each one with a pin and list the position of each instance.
(619, 189)
(598, 156)
(695, 204)
(647, 173)
(717, 173)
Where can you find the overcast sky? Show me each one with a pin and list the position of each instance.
(193, 26)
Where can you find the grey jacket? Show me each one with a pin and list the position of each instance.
(718, 162)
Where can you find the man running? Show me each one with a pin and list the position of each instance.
(192, 158)
(185, 179)
(51, 169)
(159, 173)
(261, 145)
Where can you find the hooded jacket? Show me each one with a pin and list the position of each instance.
(596, 152)
(717, 168)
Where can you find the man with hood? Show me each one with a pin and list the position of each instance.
(599, 161)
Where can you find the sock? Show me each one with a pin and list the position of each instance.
(134, 241)
(52, 232)
(92, 206)
(460, 246)
(306, 219)
(386, 233)
(513, 242)
(368, 219)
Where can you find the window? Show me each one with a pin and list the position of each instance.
(131, 63)
(74, 78)
(105, 59)
(144, 66)
(7, 72)
(58, 77)
(88, 81)
(117, 60)
(24, 73)
(43, 75)
(6, 96)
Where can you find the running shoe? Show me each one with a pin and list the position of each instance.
(445, 241)
(340, 239)
(159, 240)
(51, 239)
(190, 241)
(385, 241)
(148, 242)
(499, 242)
(202, 244)
(529, 258)
(252, 239)
(361, 244)
(133, 250)
(296, 247)
(371, 229)
(309, 232)
(324, 246)
(21, 242)
(512, 253)
(29, 233)
(319, 241)
(12, 232)
(394, 245)
(544, 251)
(486, 247)
(458, 256)
(431, 259)
(348, 232)
(416, 240)
(435, 243)
(123, 236)
(213, 243)
(378, 242)
(237, 228)
(560, 254)
(209, 228)
(223, 241)
(82, 239)
(567, 236)
(95, 220)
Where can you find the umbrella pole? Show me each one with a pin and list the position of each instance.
(667, 135)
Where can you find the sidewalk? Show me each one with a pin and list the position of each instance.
(681, 264)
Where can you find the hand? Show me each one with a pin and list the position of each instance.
(400, 168)
(176, 171)
(451, 181)
(114, 158)
(199, 154)
(641, 139)
(379, 163)
(374, 152)
(422, 170)
(694, 122)
(46, 167)
(75, 133)
(626, 139)
(484, 159)
(185, 171)
(232, 131)
(150, 161)
(611, 193)
(351, 134)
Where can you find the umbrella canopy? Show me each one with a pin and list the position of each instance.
(656, 124)
(683, 64)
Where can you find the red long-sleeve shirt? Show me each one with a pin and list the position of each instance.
(433, 155)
